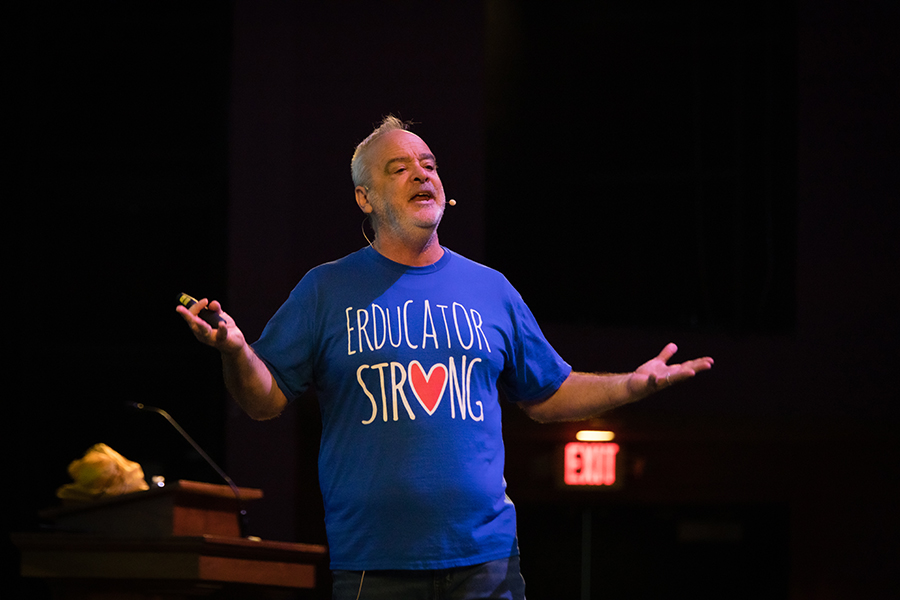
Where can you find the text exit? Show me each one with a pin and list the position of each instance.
(590, 463)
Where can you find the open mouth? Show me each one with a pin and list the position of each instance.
(422, 196)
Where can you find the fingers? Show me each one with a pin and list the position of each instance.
(185, 313)
(667, 352)
(686, 370)
(194, 322)
(683, 374)
(658, 382)
(660, 375)
(221, 333)
(700, 364)
(695, 365)
(200, 328)
(668, 379)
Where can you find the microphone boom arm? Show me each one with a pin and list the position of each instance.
(242, 521)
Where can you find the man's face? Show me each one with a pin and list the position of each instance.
(406, 193)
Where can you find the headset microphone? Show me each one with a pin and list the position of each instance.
(451, 202)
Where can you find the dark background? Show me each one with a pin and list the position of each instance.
(721, 175)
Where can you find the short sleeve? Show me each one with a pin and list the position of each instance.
(286, 345)
(534, 369)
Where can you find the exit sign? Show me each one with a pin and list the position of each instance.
(590, 463)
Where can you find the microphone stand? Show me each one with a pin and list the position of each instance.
(242, 512)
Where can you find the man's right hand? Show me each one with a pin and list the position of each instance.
(227, 337)
(246, 376)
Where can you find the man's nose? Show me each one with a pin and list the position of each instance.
(420, 174)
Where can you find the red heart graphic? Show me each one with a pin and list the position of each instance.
(429, 389)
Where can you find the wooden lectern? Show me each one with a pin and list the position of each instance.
(180, 541)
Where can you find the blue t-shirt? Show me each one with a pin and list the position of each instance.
(406, 362)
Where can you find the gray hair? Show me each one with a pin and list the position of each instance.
(359, 165)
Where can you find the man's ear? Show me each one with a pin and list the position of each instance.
(362, 199)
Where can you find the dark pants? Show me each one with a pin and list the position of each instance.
(498, 579)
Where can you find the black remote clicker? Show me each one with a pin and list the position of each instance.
(207, 315)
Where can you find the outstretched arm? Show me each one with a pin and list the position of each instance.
(585, 395)
(246, 376)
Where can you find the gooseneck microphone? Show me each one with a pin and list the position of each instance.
(242, 512)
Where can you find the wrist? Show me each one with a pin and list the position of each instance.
(235, 352)
(636, 386)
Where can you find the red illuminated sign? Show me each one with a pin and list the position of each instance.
(590, 464)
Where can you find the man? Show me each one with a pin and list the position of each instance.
(406, 343)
